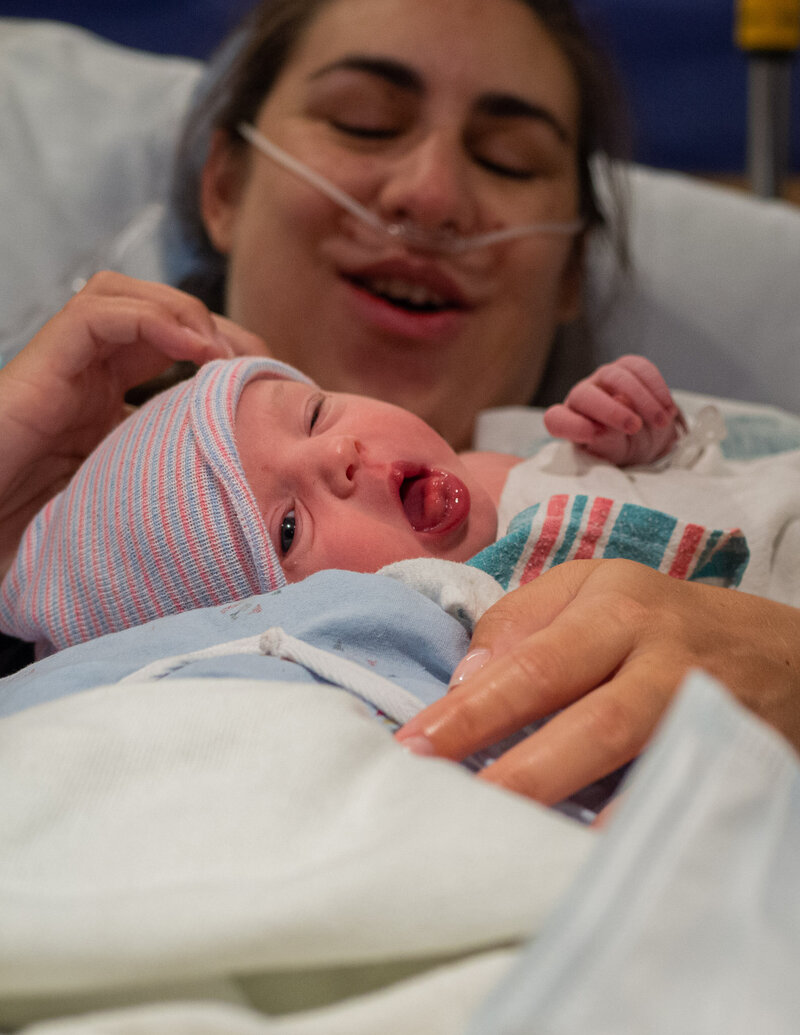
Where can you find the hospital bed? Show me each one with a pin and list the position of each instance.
(226, 843)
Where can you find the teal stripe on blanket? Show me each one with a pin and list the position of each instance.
(640, 534)
(723, 564)
(500, 559)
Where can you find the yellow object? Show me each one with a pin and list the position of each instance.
(771, 25)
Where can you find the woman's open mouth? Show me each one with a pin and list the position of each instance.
(407, 295)
(434, 501)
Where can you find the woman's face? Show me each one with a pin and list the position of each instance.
(454, 114)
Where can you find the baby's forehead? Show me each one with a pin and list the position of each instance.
(267, 408)
(274, 393)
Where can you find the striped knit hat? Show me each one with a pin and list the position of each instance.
(159, 519)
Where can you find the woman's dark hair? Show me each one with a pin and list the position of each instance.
(241, 74)
(246, 67)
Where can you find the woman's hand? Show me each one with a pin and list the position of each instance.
(65, 389)
(623, 413)
(606, 644)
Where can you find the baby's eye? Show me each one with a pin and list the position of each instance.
(287, 532)
(316, 410)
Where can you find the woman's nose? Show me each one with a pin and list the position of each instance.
(338, 459)
(429, 185)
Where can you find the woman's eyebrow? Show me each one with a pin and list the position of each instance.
(496, 105)
(393, 72)
(506, 105)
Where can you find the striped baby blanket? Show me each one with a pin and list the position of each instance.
(574, 527)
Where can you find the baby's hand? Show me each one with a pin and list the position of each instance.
(623, 413)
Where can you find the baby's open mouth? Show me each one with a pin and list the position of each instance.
(415, 298)
(434, 501)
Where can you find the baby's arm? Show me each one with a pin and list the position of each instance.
(623, 413)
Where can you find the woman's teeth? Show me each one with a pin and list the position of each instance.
(401, 292)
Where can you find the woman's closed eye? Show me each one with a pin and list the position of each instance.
(516, 155)
(511, 168)
(508, 171)
(522, 168)
(364, 131)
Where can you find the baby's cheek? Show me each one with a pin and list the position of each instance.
(484, 521)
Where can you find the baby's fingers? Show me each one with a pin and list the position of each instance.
(563, 422)
(647, 374)
(600, 409)
(635, 383)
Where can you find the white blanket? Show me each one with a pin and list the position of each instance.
(254, 842)
(245, 858)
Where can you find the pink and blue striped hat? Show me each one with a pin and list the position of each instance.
(159, 519)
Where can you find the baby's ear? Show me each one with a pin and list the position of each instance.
(221, 185)
(490, 469)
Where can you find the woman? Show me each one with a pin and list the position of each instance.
(490, 130)
(494, 130)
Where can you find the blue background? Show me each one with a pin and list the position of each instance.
(686, 81)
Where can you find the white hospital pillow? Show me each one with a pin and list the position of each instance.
(714, 296)
(88, 130)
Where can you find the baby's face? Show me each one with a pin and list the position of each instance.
(344, 481)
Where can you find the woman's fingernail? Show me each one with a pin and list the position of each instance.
(469, 665)
(417, 745)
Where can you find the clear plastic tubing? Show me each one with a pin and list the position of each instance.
(448, 242)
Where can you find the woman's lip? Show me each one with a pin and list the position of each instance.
(435, 502)
(385, 318)
(417, 273)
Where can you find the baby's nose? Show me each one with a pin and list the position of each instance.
(340, 460)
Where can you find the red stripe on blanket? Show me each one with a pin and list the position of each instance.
(598, 516)
(547, 540)
(690, 540)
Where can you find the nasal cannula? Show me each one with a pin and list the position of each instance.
(413, 235)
